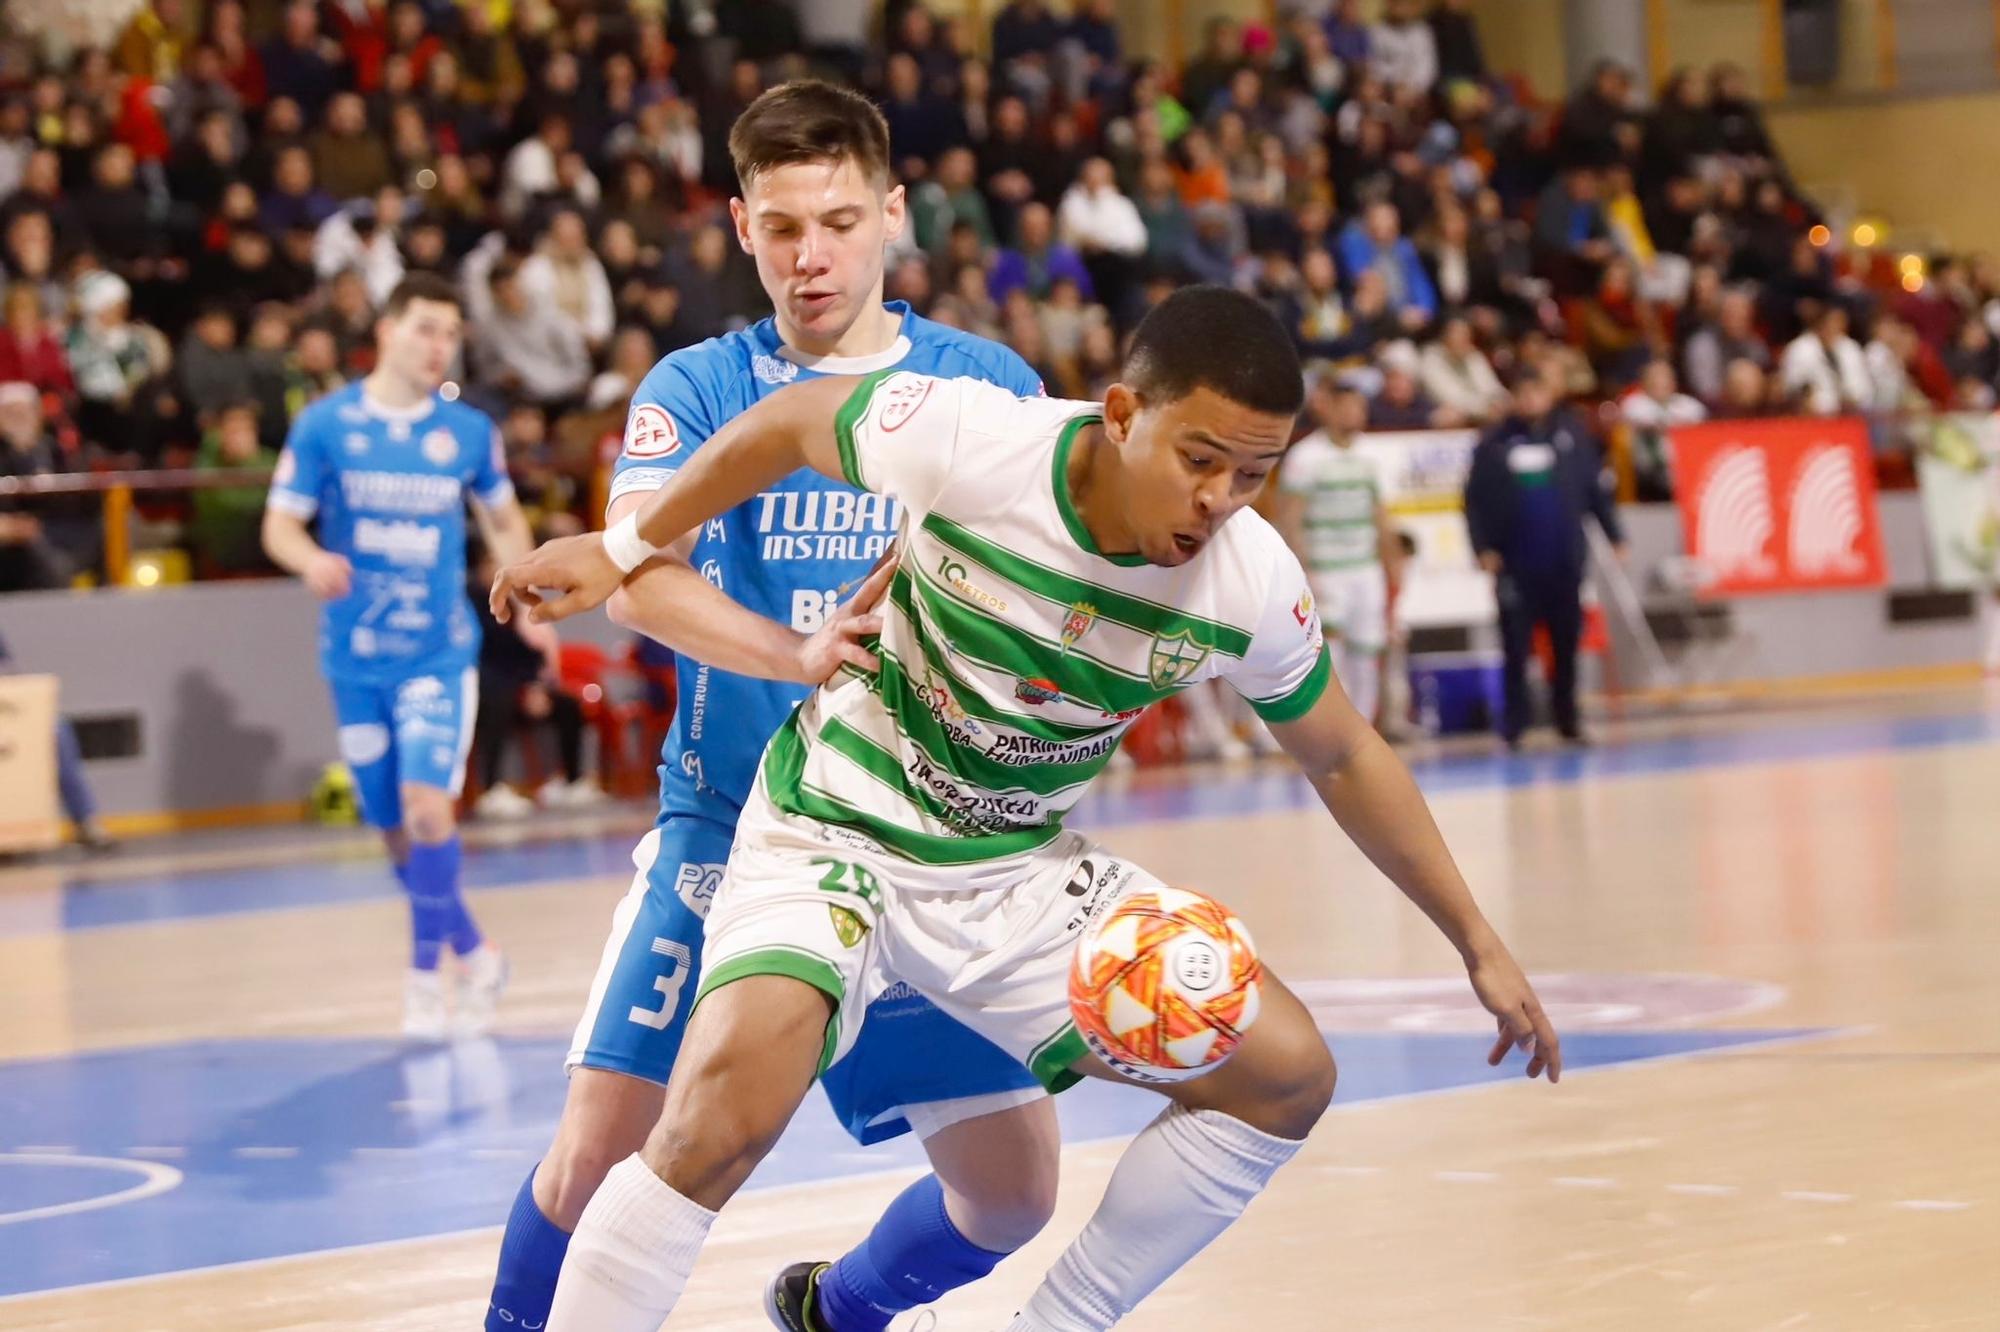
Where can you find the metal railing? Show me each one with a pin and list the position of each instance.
(119, 492)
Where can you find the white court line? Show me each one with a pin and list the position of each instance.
(1583, 1182)
(1813, 1196)
(1932, 1205)
(1466, 1176)
(1704, 1190)
(161, 1153)
(155, 1179)
(912, 1172)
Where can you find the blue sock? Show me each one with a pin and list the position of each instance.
(531, 1258)
(431, 880)
(913, 1256)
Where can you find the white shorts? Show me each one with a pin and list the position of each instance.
(1354, 605)
(990, 943)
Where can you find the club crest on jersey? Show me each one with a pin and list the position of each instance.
(651, 433)
(1038, 692)
(900, 397)
(1082, 616)
(439, 448)
(772, 370)
(847, 927)
(1174, 658)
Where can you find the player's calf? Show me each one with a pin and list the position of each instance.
(606, 1118)
(751, 1052)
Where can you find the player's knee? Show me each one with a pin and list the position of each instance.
(571, 1173)
(1293, 1085)
(428, 816)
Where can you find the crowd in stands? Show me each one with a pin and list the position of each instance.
(200, 211)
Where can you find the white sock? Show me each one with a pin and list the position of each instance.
(631, 1255)
(1360, 675)
(1181, 1183)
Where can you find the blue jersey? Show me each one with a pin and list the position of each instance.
(389, 489)
(791, 554)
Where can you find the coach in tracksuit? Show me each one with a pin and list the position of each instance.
(1534, 478)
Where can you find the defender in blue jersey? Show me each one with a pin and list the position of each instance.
(766, 602)
(384, 468)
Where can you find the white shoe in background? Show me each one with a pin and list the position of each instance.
(425, 1017)
(579, 794)
(502, 802)
(482, 978)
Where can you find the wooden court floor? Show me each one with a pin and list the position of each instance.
(1815, 884)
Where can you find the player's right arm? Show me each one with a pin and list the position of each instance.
(894, 434)
(669, 602)
(291, 504)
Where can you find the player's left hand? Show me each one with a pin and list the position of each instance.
(1503, 989)
(837, 643)
(563, 577)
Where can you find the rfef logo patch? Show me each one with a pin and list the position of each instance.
(651, 433)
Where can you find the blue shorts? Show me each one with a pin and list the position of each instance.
(410, 732)
(912, 1066)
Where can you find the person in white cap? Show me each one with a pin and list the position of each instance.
(115, 360)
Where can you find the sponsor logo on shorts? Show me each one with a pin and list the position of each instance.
(651, 433)
(695, 883)
(363, 743)
(1098, 884)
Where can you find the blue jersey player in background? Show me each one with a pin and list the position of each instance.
(764, 603)
(384, 468)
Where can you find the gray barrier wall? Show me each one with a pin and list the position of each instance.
(221, 681)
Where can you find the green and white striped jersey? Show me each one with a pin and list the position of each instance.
(1014, 655)
(1340, 488)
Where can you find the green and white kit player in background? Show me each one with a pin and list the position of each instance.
(1065, 565)
(1329, 508)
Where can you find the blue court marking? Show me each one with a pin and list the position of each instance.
(192, 894)
(296, 1146)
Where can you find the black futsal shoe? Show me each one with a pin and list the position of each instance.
(792, 1297)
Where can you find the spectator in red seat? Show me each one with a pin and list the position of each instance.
(214, 372)
(1747, 391)
(115, 214)
(1599, 125)
(29, 560)
(1402, 403)
(1739, 119)
(1208, 74)
(1402, 50)
(1572, 238)
(1823, 371)
(1038, 260)
(1374, 243)
(1455, 33)
(1651, 408)
(1457, 375)
(1618, 328)
(241, 65)
(349, 158)
(120, 366)
(1732, 337)
(30, 353)
(564, 273)
(294, 199)
(302, 63)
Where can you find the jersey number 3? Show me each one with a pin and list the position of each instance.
(680, 963)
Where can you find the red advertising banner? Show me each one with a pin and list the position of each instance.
(1778, 505)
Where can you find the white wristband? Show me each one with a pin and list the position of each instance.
(627, 549)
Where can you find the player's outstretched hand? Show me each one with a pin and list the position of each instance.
(563, 577)
(837, 643)
(1505, 992)
(329, 576)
